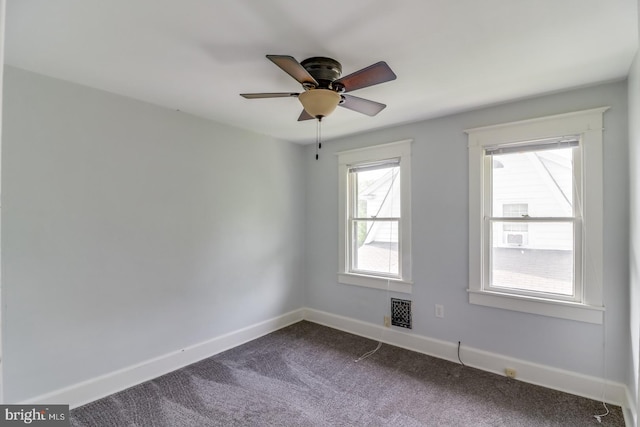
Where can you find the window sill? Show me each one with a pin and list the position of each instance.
(560, 309)
(394, 285)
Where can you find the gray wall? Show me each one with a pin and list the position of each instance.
(130, 231)
(440, 241)
(634, 247)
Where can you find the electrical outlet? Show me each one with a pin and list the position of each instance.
(510, 372)
(387, 321)
(439, 310)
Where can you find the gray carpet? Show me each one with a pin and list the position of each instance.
(305, 375)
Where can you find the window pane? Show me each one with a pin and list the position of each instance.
(378, 193)
(515, 210)
(540, 180)
(375, 247)
(539, 259)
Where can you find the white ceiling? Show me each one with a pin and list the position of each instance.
(198, 55)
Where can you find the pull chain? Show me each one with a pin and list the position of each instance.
(318, 136)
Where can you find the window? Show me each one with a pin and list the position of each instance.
(374, 218)
(532, 244)
(375, 223)
(535, 216)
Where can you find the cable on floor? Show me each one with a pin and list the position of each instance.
(604, 375)
(599, 416)
(589, 266)
(463, 365)
(369, 353)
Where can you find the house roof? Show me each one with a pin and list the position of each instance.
(197, 56)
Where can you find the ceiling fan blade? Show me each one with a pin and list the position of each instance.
(361, 105)
(292, 67)
(369, 76)
(269, 95)
(305, 116)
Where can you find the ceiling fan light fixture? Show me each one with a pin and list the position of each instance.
(319, 102)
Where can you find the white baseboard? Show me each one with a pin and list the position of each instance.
(630, 419)
(99, 387)
(630, 411)
(557, 379)
(570, 382)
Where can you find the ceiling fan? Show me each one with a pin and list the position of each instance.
(324, 89)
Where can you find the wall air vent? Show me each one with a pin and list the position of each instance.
(401, 313)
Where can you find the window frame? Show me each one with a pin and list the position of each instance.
(587, 125)
(350, 158)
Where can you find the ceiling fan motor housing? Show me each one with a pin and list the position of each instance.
(324, 70)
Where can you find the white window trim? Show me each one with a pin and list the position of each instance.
(401, 149)
(588, 125)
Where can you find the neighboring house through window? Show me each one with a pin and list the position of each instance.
(535, 216)
(515, 233)
(375, 224)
